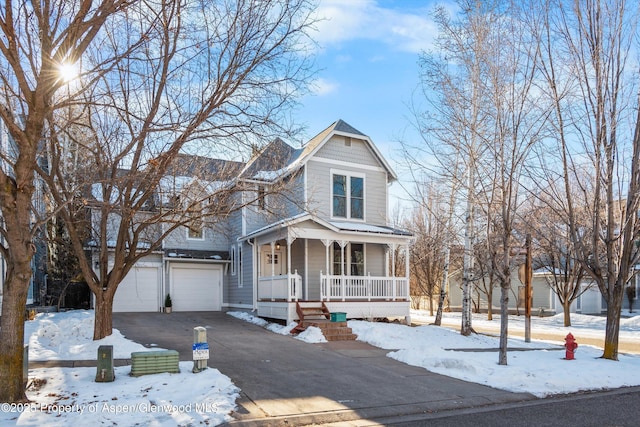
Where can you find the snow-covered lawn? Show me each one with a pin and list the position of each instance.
(60, 396)
(541, 370)
(70, 396)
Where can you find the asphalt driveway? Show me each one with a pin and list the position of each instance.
(287, 381)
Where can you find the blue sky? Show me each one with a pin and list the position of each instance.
(368, 68)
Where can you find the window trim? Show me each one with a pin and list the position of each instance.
(348, 259)
(233, 259)
(348, 175)
(199, 239)
(239, 267)
(197, 207)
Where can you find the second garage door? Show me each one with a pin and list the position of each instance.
(138, 291)
(196, 287)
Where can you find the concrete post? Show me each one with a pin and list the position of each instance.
(200, 349)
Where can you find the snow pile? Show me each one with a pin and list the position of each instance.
(540, 370)
(310, 335)
(70, 396)
(536, 367)
(69, 336)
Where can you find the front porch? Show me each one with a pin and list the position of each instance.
(359, 272)
(361, 297)
(288, 287)
(286, 310)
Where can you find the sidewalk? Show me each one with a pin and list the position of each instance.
(625, 345)
(33, 364)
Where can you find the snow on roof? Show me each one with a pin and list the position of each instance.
(368, 228)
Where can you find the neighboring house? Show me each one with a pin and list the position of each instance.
(327, 238)
(544, 301)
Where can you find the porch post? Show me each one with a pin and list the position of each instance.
(406, 271)
(289, 242)
(291, 289)
(273, 271)
(393, 271)
(273, 265)
(343, 279)
(325, 291)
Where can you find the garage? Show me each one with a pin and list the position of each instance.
(139, 291)
(196, 287)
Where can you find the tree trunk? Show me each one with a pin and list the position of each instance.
(16, 287)
(467, 271)
(430, 305)
(612, 330)
(490, 302)
(566, 306)
(103, 322)
(504, 324)
(443, 286)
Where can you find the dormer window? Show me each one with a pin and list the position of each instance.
(348, 196)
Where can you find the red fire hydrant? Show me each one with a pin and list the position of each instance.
(571, 345)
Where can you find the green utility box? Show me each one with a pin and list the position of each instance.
(154, 362)
(338, 317)
(104, 372)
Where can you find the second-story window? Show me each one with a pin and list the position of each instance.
(348, 196)
(195, 227)
(262, 198)
(195, 230)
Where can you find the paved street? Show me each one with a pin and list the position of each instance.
(619, 408)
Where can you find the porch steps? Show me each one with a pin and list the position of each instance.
(332, 331)
(317, 314)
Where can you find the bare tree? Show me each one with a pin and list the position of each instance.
(588, 45)
(454, 125)
(429, 226)
(554, 251)
(153, 78)
(36, 40)
(510, 61)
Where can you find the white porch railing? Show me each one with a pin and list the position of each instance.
(285, 286)
(363, 288)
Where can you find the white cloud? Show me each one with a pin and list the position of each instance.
(411, 30)
(323, 87)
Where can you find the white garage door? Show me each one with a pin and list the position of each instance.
(138, 291)
(196, 287)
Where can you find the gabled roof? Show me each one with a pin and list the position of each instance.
(278, 159)
(274, 157)
(204, 167)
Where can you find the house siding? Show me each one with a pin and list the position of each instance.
(297, 259)
(254, 217)
(240, 285)
(317, 264)
(214, 240)
(319, 190)
(375, 259)
(358, 152)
